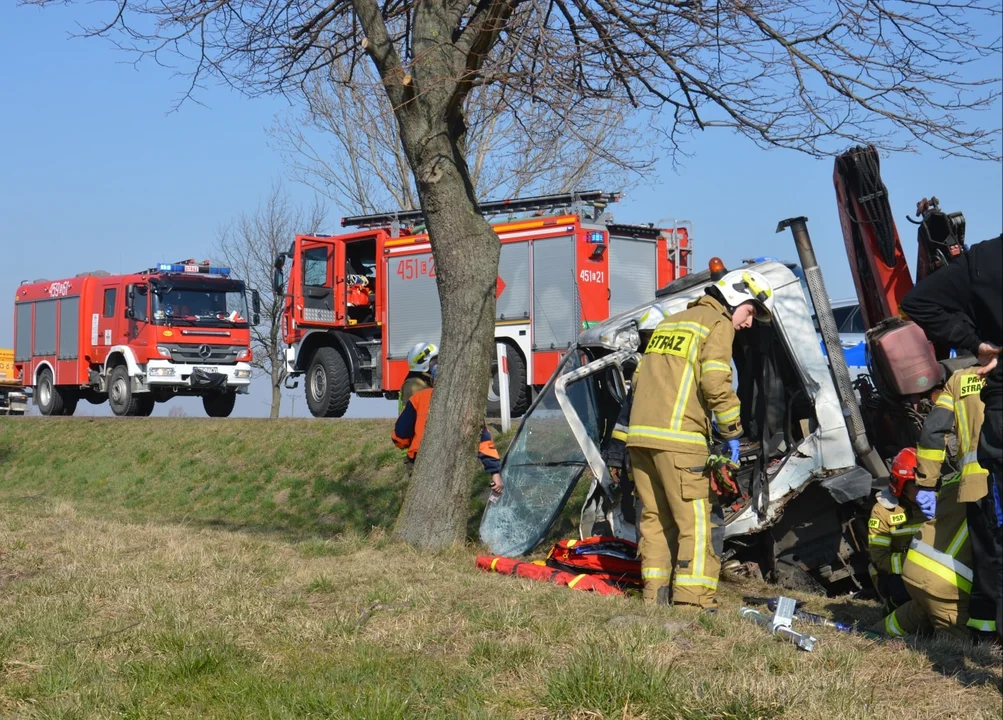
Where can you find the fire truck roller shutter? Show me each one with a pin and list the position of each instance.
(413, 306)
(555, 322)
(69, 328)
(633, 273)
(22, 341)
(513, 269)
(45, 328)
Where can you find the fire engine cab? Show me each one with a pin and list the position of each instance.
(357, 302)
(135, 340)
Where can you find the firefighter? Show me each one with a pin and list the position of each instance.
(961, 306)
(410, 427)
(958, 411)
(686, 376)
(895, 518)
(421, 362)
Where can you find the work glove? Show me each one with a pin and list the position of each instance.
(734, 449)
(927, 502)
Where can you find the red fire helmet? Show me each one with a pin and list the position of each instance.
(903, 470)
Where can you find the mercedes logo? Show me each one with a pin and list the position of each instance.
(205, 351)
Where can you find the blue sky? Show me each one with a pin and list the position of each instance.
(96, 172)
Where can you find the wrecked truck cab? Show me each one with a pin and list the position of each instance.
(802, 489)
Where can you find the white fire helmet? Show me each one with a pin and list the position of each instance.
(650, 319)
(420, 357)
(740, 286)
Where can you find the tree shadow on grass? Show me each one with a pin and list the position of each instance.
(970, 664)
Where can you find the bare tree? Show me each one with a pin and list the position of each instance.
(802, 74)
(249, 245)
(345, 144)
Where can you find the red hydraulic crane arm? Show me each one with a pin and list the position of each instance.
(877, 263)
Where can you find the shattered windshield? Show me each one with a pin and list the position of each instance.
(541, 468)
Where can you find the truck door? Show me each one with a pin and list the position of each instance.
(139, 301)
(316, 260)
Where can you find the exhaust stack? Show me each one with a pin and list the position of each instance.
(868, 456)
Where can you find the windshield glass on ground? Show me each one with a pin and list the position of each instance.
(199, 305)
(541, 469)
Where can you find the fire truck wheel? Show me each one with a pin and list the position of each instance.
(123, 403)
(49, 398)
(219, 404)
(328, 388)
(518, 392)
(146, 404)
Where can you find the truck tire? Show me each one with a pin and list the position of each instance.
(47, 396)
(70, 400)
(146, 404)
(518, 391)
(219, 404)
(120, 397)
(328, 387)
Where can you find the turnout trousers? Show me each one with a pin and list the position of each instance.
(675, 527)
(926, 613)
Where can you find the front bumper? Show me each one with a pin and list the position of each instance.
(165, 373)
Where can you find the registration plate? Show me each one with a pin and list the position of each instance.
(207, 368)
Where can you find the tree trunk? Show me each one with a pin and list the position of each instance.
(466, 251)
(276, 378)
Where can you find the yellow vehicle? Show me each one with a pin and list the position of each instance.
(13, 401)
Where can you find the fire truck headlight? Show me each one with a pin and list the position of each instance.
(163, 352)
(244, 354)
(162, 372)
(242, 373)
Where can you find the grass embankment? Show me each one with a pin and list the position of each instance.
(126, 592)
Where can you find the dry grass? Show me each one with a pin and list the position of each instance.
(112, 612)
(109, 619)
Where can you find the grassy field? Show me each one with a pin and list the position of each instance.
(156, 577)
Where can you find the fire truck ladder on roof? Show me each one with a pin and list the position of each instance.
(542, 203)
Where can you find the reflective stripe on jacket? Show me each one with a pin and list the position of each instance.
(958, 411)
(685, 377)
(410, 428)
(940, 557)
(889, 532)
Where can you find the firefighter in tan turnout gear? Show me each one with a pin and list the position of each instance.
(938, 567)
(895, 518)
(684, 378)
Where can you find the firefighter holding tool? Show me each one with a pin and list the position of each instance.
(410, 427)
(895, 518)
(686, 376)
(938, 566)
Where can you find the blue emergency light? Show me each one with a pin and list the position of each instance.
(192, 268)
(594, 238)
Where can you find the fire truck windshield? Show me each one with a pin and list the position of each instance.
(216, 304)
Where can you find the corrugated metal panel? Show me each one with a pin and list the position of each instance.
(45, 328)
(22, 342)
(513, 269)
(554, 321)
(413, 307)
(69, 326)
(633, 273)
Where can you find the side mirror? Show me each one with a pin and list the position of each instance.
(130, 302)
(278, 282)
(256, 307)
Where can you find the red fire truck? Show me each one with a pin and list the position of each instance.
(135, 340)
(356, 303)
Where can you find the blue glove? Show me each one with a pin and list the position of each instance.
(927, 501)
(734, 448)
